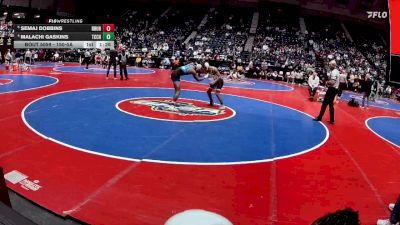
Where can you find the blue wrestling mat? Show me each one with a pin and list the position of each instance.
(23, 82)
(387, 128)
(141, 124)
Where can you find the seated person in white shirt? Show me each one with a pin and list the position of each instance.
(299, 78)
(313, 83)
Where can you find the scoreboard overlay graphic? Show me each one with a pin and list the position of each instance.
(64, 36)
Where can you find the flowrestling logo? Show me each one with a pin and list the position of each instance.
(16, 177)
(64, 20)
(377, 14)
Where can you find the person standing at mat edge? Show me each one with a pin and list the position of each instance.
(123, 59)
(189, 69)
(366, 88)
(215, 85)
(86, 59)
(112, 61)
(330, 96)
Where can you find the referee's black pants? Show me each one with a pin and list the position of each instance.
(123, 71)
(86, 61)
(328, 100)
(114, 64)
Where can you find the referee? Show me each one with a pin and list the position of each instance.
(123, 59)
(329, 99)
(87, 58)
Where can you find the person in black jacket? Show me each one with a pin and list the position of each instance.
(366, 87)
(113, 62)
(87, 58)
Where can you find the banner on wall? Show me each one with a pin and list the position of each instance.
(394, 15)
(394, 12)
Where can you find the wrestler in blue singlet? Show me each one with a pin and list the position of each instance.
(188, 69)
(183, 70)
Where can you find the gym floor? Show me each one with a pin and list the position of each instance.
(108, 151)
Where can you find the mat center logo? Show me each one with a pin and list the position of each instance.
(180, 108)
(4, 81)
(186, 110)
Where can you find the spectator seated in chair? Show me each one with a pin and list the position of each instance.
(313, 83)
